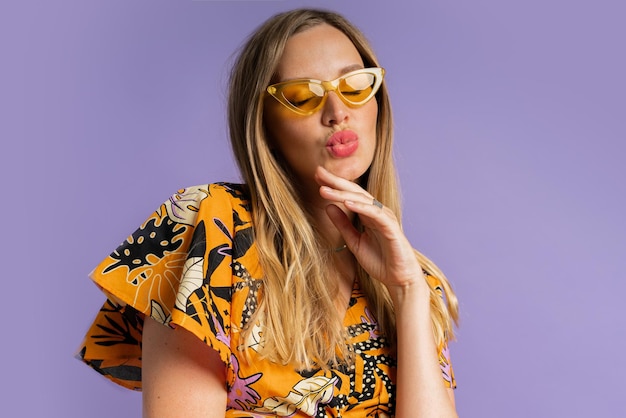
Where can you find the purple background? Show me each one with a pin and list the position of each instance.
(511, 129)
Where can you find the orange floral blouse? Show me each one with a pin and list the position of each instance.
(194, 264)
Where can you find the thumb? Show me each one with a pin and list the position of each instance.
(343, 225)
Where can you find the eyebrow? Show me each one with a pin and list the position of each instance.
(344, 70)
(352, 67)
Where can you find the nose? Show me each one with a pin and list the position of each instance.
(334, 111)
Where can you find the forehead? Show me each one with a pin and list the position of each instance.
(322, 52)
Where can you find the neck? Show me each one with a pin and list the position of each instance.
(343, 266)
(316, 206)
(327, 230)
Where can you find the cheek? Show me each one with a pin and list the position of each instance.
(371, 118)
(279, 123)
(374, 112)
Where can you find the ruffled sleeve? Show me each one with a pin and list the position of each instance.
(176, 268)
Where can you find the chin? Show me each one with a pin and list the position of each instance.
(352, 174)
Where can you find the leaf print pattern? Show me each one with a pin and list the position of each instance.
(255, 338)
(369, 319)
(444, 364)
(253, 286)
(220, 332)
(150, 240)
(305, 396)
(183, 206)
(193, 278)
(194, 264)
(114, 334)
(157, 312)
(117, 329)
(158, 282)
(246, 397)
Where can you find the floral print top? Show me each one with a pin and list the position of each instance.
(194, 264)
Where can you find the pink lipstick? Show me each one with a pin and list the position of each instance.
(343, 143)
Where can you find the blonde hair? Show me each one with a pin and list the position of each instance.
(300, 321)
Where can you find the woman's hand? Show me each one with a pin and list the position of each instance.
(384, 252)
(381, 248)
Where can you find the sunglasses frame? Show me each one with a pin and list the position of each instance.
(275, 90)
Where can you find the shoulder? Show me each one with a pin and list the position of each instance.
(212, 192)
(185, 205)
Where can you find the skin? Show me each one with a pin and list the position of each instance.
(385, 253)
(322, 53)
(173, 358)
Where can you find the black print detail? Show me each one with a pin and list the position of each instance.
(253, 285)
(242, 242)
(121, 326)
(216, 256)
(223, 292)
(151, 239)
(238, 191)
(222, 227)
(197, 247)
(234, 189)
(129, 373)
(237, 219)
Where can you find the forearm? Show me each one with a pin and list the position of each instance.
(420, 388)
(383, 250)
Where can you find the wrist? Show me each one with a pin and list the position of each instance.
(413, 292)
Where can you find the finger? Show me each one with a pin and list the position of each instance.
(326, 178)
(343, 224)
(373, 216)
(340, 196)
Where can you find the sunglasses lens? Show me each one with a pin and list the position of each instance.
(304, 96)
(307, 96)
(357, 88)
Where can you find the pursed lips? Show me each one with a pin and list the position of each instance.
(342, 143)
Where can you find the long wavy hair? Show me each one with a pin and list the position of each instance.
(298, 311)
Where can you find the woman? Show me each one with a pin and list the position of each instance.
(296, 294)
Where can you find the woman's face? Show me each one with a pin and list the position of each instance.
(306, 142)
